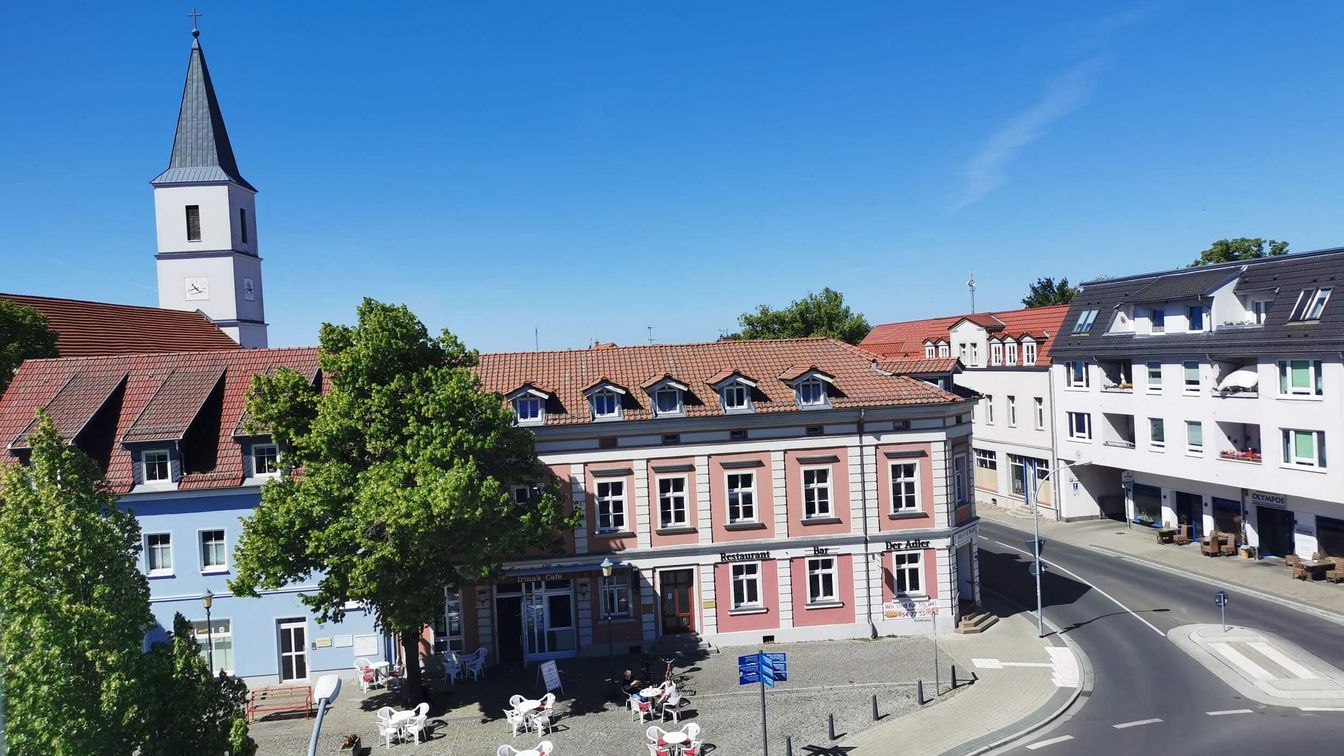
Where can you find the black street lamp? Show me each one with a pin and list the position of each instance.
(208, 600)
(607, 565)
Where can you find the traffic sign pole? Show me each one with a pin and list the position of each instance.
(1220, 599)
(765, 733)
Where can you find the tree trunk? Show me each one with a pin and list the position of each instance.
(410, 650)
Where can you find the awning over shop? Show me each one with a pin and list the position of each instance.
(557, 570)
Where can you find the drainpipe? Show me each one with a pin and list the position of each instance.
(863, 496)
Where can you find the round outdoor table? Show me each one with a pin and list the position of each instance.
(676, 738)
(530, 752)
(650, 692)
(528, 705)
(402, 717)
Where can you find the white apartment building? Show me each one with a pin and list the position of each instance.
(1208, 396)
(1003, 359)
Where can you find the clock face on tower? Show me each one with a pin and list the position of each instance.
(249, 290)
(197, 288)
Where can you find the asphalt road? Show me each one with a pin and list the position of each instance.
(1140, 675)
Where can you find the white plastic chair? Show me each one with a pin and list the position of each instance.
(657, 750)
(541, 721)
(548, 701)
(516, 700)
(655, 733)
(545, 747)
(387, 732)
(639, 708)
(672, 707)
(515, 721)
(476, 663)
(506, 750)
(692, 730)
(692, 748)
(452, 667)
(417, 727)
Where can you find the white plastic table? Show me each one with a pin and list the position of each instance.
(650, 692)
(676, 738)
(528, 705)
(401, 719)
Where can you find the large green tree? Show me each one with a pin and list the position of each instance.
(1046, 291)
(24, 335)
(406, 472)
(187, 710)
(1232, 250)
(821, 314)
(76, 606)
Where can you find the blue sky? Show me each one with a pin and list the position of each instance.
(589, 169)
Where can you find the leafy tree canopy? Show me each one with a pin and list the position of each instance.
(76, 606)
(406, 472)
(1232, 250)
(24, 335)
(823, 314)
(1046, 292)
(188, 710)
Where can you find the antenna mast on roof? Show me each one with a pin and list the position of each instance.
(970, 284)
(650, 334)
(536, 338)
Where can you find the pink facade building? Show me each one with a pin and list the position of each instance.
(746, 491)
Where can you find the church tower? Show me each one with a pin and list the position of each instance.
(205, 213)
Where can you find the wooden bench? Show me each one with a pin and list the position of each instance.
(282, 698)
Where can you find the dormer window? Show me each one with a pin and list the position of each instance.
(1085, 321)
(528, 409)
(606, 405)
(812, 392)
(929, 351)
(944, 350)
(1010, 353)
(1028, 353)
(155, 466)
(736, 396)
(1310, 305)
(995, 353)
(1194, 315)
(667, 401)
(265, 460)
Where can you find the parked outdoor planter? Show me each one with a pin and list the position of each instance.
(350, 742)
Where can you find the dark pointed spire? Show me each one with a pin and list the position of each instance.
(201, 149)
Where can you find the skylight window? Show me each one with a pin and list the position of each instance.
(1085, 320)
(1310, 304)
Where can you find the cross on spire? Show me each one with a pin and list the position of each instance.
(195, 30)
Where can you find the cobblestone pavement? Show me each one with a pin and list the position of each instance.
(832, 677)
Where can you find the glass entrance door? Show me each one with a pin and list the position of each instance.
(548, 615)
(293, 650)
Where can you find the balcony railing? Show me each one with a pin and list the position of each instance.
(1236, 455)
(1119, 443)
(1123, 387)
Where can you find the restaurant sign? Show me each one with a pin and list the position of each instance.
(744, 556)
(907, 545)
(1265, 499)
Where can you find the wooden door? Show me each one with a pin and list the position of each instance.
(678, 596)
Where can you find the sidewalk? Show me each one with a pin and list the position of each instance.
(1006, 699)
(1268, 576)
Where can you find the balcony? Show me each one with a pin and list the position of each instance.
(1117, 430)
(1116, 376)
(1237, 379)
(1240, 442)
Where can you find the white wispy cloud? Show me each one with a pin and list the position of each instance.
(985, 171)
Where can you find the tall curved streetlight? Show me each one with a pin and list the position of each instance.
(607, 566)
(1033, 492)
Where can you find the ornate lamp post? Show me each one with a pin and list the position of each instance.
(208, 600)
(607, 566)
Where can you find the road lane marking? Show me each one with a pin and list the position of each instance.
(1229, 711)
(1242, 662)
(1075, 576)
(1283, 660)
(1051, 741)
(1136, 723)
(1064, 672)
(1321, 708)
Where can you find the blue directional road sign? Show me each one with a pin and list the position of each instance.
(762, 668)
(1220, 598)
(748, 669)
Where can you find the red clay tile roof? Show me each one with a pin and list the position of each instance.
(794, 372)
(920, 366)
(149, 381)
(86, 329)
(906, 340)
(698, 365)
(75, 404)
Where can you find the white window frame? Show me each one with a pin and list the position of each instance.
(1028, 353)
(257, 454)
(907, 565)
(1075, 379)
(821, 492)
(618, 591)
(200, 550)
(1186, 387)
(160, 571)
(960, 491)
(823, 569)
(989, 409)
(1038, 407)
(1153, 386)
(1085, 320)
(1310, 304)
(671, 496)
(996, 353)
(531, 401)
(1081, 432)
(602, 395)
(213, 637)
(1260, 310)
(1290, 458)
(1315, 379)
(1159, 424)
(167, 466)
(944, 350)
(929, 351)
(908, 497)
(1010, 352)
(734, 390)
(733, 496)
(821, 399)
(975, 354)
(1012, 411)
(748, 574)
(679, 407)
(613, 500)
(448, 640)
(1190, 446)
(986, 459)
